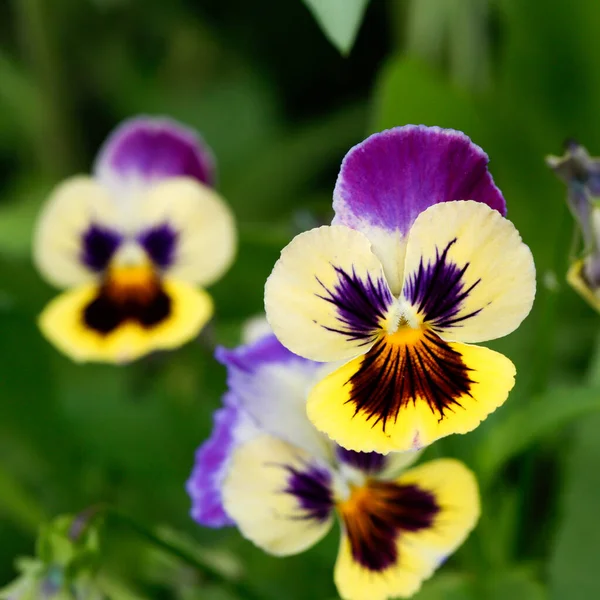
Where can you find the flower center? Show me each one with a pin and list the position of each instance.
(377, 513)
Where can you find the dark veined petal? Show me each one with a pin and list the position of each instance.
(130, 314)
(468, 274)
(327, 297)
(409, 390)
(280, 497)
(397, 533)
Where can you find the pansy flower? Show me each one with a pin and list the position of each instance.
(132, 243)
(418, 264)
(581, 174)
(267, 470)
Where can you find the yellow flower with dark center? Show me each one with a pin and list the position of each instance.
(418, 265)
(132, 244)
(268, 471)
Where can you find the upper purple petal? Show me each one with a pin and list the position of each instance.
(150, 149)
(212, 458)
(271, 385)
(391, 177)
(251, 357)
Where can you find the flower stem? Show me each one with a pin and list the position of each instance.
(208, 572)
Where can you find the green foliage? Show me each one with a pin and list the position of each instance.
(280, 108)
(339, 19)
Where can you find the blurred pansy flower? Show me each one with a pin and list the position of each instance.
(132, 243)
(581, 174)
(418, 264)
(268, 471)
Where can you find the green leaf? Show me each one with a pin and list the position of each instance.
(574, 562)
(409, 91)
(516, 585)
(339, 20)
(532, 421)
(446, 586)
(17, 504)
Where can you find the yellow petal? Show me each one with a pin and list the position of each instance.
(403, 396)
(63, 322)
(397, 534)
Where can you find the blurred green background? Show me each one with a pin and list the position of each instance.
(280, 106)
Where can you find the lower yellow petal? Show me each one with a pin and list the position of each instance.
(397, 401)
(63, 324)
(414, 535)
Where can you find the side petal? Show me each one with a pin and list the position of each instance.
(231, 427)
(406, 401)
(327, 298)
(429, 512)
(271, 384)
(278, 495)
(468, 274)
(576, 278)
(76, 232)
(182, 312)
(188, 230)
(148, 149)
(393, 176)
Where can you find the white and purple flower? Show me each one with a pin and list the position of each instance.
(418, 264)
(132, 243)
(268, 471)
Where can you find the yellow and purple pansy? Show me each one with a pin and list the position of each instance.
(132, 243)
(581, 174)
(418, 264)
(267, 470)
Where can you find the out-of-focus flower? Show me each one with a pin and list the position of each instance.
(267, 470)
(581, 174)
(418, 265)
(132, 244)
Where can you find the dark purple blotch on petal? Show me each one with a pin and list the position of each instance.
(160, 243)
(312, 488)
(99, 244)
(368, 462)
(154, 149)
(437, 290)
(361, 304)
(391, 177)
(380, 515)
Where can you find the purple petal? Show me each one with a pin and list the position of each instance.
(212, 459)
(251, 357)
(391, 177)
(150, 149)
(368, 462)
(271, 385)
